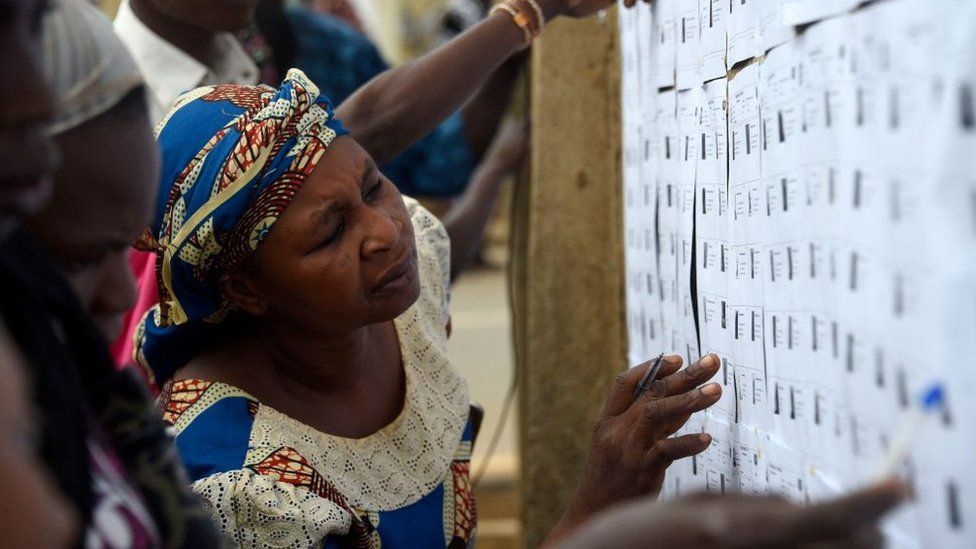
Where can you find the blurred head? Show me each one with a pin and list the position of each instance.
(211, 15)
(341, 256)
(26, 154)
(32, 512)
(103, 197)
(104, 189)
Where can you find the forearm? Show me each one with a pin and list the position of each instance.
(485, 110)
(465, 222)
(400, 106)
(571, 521)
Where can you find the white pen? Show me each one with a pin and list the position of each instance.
(930, 404)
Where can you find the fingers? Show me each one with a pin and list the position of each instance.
(673, 449)
(686, 379)
(670, 365)
(868, 538)
(658, 412)
(846, 517)
(622, 393)
(621, 396)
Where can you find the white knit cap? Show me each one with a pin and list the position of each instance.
(89, 68)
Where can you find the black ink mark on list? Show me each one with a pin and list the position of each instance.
(967, 110)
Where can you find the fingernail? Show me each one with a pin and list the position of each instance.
(708, 361)
(673, 359)
(704, 437)
(711, 389)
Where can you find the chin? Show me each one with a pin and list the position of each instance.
(392, 305)
(110, 326)
(234, 15)
(406, 299)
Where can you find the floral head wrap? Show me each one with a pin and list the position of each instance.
(233, 159)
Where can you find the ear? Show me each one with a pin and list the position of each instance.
(244, 293)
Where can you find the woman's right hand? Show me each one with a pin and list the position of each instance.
(632, 447)
(738, 522)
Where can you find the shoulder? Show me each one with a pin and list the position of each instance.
(433, 255)
(212, 422)
(256, 508)
(432, 238)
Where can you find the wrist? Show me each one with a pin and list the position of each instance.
(577, 513)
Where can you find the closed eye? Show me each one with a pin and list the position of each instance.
(375, 191)
(333, 236)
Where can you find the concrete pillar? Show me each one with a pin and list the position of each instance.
(568, 270)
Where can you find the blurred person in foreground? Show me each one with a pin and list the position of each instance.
(71, 85)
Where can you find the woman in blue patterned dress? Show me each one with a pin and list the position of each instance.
(301, 334)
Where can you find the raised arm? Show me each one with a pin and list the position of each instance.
(403, 104)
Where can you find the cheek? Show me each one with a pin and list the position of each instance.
(337, 282)
(41, 518)
(84, 282)
(318, 290)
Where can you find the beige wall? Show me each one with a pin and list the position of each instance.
(568, 273)
(110, 6)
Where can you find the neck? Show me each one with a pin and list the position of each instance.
(323, 363)
(197, 42)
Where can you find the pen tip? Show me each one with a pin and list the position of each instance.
(933, 397)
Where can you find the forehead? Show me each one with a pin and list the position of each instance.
(109, 171)
(338, 176)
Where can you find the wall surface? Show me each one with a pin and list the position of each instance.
(568, 272)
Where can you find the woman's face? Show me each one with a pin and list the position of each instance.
(26, 154)
(102, 201)
(340, 257)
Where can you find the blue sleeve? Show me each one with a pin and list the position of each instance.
(217, 439)
(340, 59)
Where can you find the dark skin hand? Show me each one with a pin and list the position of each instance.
(709, 521)
(632, 446)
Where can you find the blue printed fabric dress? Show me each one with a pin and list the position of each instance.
(273, 481)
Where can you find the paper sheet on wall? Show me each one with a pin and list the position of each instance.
(811, 218)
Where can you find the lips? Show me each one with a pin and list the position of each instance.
(397, 276)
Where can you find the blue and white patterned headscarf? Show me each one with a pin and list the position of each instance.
(233, 159)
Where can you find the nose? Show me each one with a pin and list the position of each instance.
(383, 231)
(115, 292)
